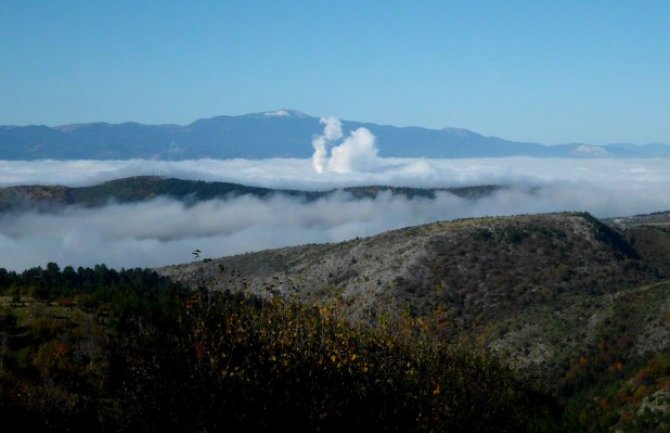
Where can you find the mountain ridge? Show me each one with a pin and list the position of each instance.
(140, 188)
(280, 133)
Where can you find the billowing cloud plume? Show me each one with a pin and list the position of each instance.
(332, 131)
(356, 153)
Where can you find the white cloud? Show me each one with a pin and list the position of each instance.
(356, 153)
(332, 131)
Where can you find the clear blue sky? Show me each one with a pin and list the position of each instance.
(547, 71)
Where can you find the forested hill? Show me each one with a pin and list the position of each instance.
(580, 306)
(141, 188)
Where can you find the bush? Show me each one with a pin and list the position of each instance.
(255, 365)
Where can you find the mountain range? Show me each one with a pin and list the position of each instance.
(282, 133)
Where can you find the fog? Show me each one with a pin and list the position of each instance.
(164, 231)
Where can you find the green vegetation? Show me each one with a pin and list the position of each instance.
(104, 350)
(653, 242)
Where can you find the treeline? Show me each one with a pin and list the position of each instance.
(103, 350)
(97, 284)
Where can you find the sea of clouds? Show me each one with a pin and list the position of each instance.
(164, 231)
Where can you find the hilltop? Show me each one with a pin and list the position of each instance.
(526, 285)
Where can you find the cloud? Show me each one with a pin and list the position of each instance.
(300, 174)
(356, 153)
(332, 131)
(164, 231)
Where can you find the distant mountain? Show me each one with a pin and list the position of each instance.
(282, 133)
(141, 188)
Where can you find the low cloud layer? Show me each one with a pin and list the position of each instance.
(164, 231)
(300, 173)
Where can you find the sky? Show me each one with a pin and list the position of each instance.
(549, 72)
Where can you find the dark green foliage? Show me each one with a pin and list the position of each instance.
(522, 261)
(653, 242)
(6, 279)
(129, 351)
(611, 237)
(483, 235)
(251, 365)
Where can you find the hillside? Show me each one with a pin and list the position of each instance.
(473, 264)
(100, 350)
(541, 323)
(502, 279)
(141, 188)
(566, 300)
(284, 133)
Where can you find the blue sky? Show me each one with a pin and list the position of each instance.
(546, 71)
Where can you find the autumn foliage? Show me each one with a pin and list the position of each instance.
(159, 358)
